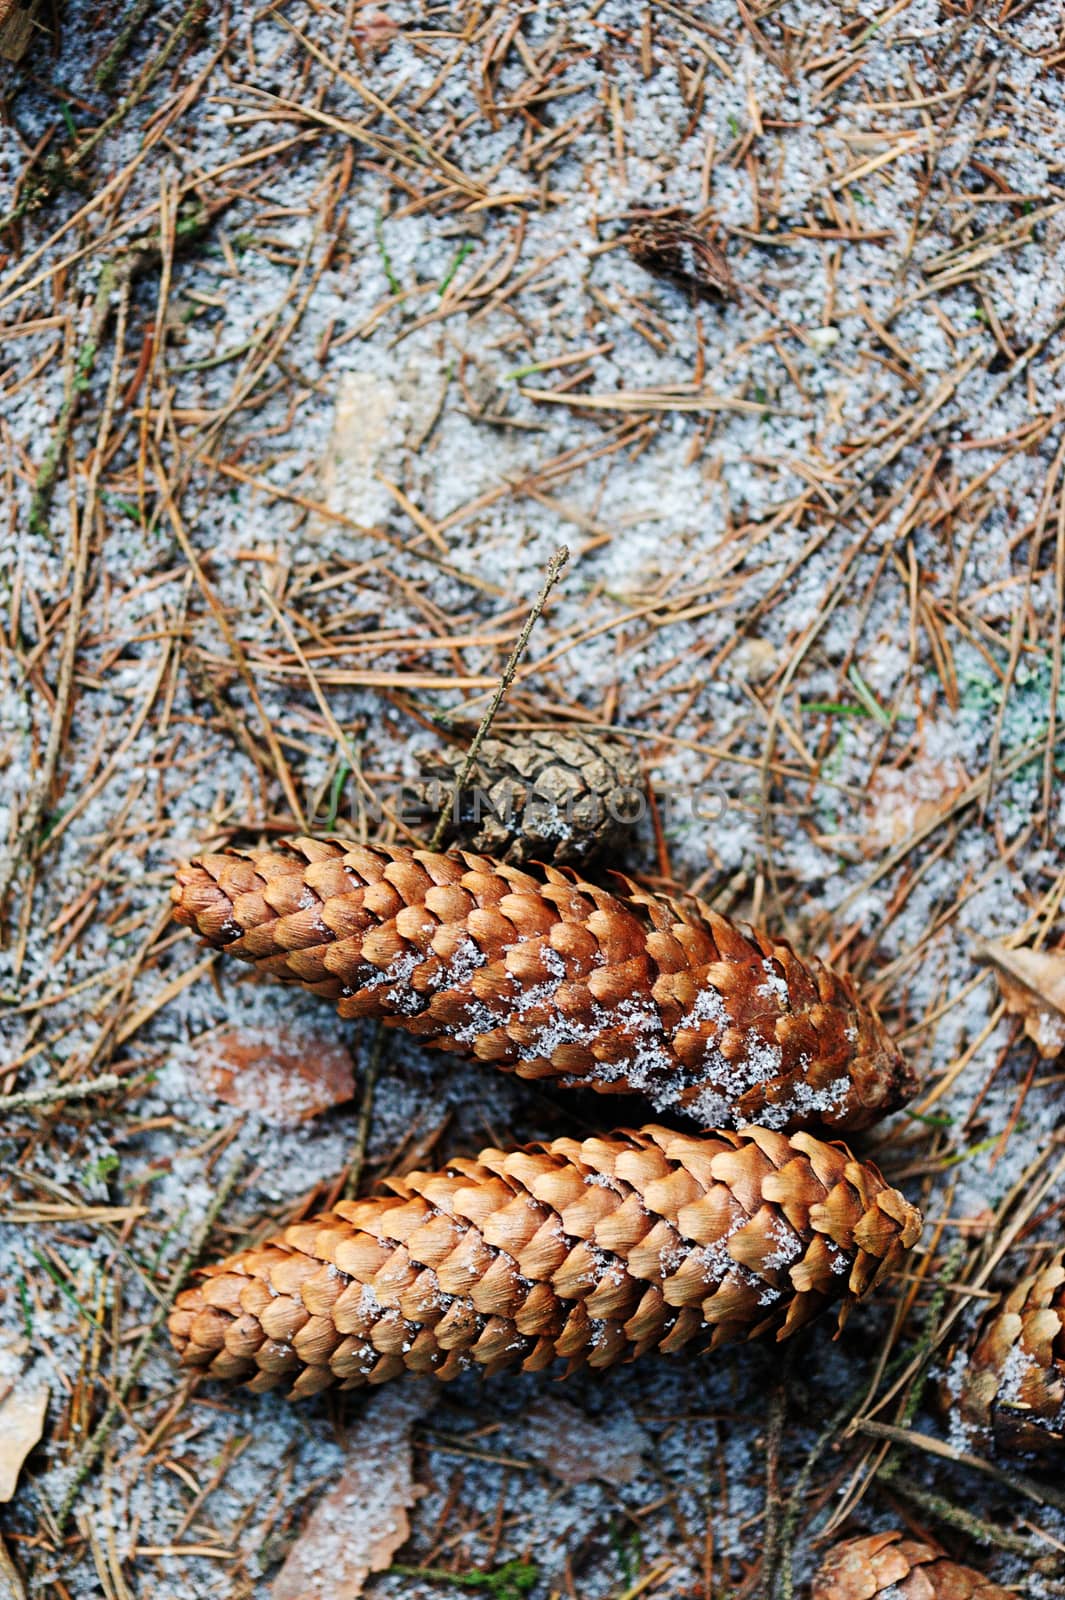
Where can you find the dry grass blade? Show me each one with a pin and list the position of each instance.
(90, 1452)
(87, 1089)
(649, 401)
(1044, 1494)
(33, 807)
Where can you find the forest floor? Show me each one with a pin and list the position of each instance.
(319, 336)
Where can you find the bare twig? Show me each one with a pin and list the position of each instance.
(362, 1131)
(772, 1544)
(554, 572)
(184, 24)
(82, 538)
(94, 1445)
(109, 65)
(84, 362)
(106, 1083)
(1041, 1493)
(937, 1505)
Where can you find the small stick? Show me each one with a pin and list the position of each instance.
(106, 1083)
(109, 66)
(937, 1505)
(362, 1131)
(84, 362)
(148, 74)
(1043, 1494)
(81, 545)
(95, 1444)
(554, 572)
(772, 1528)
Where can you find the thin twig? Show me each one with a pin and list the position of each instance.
(84, 362)
(554, 572)
(772, 1543)
(95, 1444)
(1041, 1493)
(106, 1083)
(82, 542)
(937, 1505)
(362, 1131)
(785, 1584)
(148, 75)
(109, 66)
(235, 647)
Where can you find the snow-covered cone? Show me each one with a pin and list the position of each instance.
(551, 977)
(1011, 1382)
(898, 1566)
(556, 795)
(593, 1251)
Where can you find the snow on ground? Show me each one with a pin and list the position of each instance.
(813, 570)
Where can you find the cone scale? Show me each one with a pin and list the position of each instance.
(896, 1566)
(1012, 1380)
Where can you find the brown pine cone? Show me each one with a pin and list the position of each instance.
(1012, 1385)
(900, 1566)
(592, 1250)
(557, 796)
(551, 977)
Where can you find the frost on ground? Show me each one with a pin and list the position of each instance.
(321, 325)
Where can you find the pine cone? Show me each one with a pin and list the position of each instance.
(1013, 1382)
(554, 978)
(555, 796)
(904, 1568)
(673, 247)
(593, 1251)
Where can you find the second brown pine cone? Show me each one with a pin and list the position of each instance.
(551, 977)
(593, 1251)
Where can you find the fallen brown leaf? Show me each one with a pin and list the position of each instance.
(359, 1525)
(22, 1415)
(575, 1448)
(285, 1074)
(374, 31)
(902, 801)
(1033, 986)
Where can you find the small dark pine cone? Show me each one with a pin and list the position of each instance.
(896, 1565)
(671, 247)
(1012, 1383)
(558, 796)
